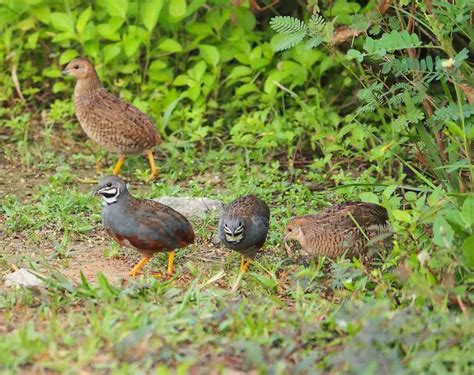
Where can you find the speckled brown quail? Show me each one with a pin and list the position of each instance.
(243, 227)
(144, 225)
(349, 227)
(111, 122)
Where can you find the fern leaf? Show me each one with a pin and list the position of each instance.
(314, 41)
(286, 41)
(287, 25)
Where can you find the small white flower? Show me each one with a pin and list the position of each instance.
(447, 64)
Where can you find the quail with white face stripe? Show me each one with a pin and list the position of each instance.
(243, 227)
(144, 225)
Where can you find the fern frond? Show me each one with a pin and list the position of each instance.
(316, 24)
(314, 41)
(287, 41)
(288, 25)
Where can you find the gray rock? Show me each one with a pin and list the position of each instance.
(23, 277)
(192, 207)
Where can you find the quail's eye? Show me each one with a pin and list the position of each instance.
(289, 229)
(109, 184)
(76, 66)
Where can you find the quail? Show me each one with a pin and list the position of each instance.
(144, 225)
(111, 122)
(243, 227)
(349, 227)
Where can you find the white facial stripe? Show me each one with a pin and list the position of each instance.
(110, 195)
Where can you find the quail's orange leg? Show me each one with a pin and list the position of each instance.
(170, 270)
(119, 164)
(244, 265)
(154, 169)
(247, 265)
(133, 272)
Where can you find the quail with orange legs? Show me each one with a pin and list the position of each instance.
(243, 227)
(350, 227)
(111, 122)
(144, 225)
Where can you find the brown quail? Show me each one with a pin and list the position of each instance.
(349, 227)
(108, 120)
(243, 227)
(144, 225)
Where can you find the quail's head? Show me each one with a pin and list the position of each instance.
(79, 68)
(111, 188)
(294, 231)
(233, 229)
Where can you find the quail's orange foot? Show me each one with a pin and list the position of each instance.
(243, 227)
(350, 227)
(145, 225)
(111, 122)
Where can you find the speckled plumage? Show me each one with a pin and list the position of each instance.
(108, 120)
(334, 231)
(253, 215)
(144, 225)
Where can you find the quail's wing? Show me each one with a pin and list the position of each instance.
(352, 214)
(162, 227)
(110, 109)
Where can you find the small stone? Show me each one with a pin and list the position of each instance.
(23, 277)
(194, 208)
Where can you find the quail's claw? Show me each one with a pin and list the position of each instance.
(136, 269)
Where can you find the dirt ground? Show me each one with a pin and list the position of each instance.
(84, 253)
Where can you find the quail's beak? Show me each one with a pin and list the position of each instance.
(96, 191)
(65, 72)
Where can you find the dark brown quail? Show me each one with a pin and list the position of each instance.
(349, 228)
(108, 120)
(144, 225)
(243, 227)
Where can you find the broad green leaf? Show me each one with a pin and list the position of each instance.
(177, 8)
(182, 80)
(467, 249)
(401, 215)
(245, 89)
(111, 51)
(110, 30)
(67, 56)
(210, 54)
(32, 40)
(83, 19)
(51, 72)
(354, 54)
(130, 46)
(443, 234)
(369, 197)
(116, 8)
(239, 71)
(151, 12)
(170, 45)
(59, 86)
(197, 71)
(468, 210)
(62, 22)
(43, 13)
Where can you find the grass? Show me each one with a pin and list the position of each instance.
(393, 315)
